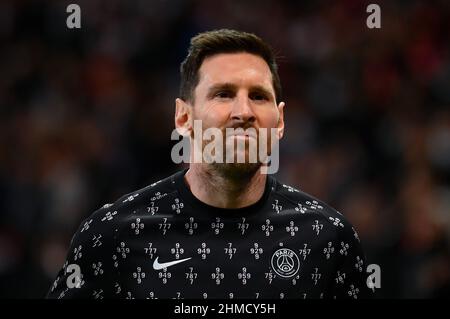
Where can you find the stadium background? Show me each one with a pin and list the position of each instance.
(86, 116)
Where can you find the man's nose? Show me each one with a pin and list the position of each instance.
(242, 109)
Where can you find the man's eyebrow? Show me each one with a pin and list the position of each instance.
(261, 89)
(231, 86)
(222, 86)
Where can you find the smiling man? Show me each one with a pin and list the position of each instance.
(223, 228)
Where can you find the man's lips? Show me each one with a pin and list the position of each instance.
(242, 134)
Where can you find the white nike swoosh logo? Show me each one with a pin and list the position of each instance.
(158, 266)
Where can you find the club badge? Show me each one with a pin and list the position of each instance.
(285, 262)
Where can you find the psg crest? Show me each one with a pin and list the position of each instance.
(285, 262)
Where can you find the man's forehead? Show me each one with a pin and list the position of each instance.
(235, 68)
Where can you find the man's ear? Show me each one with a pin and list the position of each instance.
(183, 117)
(280, 126)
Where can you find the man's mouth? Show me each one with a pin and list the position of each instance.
(242, 134)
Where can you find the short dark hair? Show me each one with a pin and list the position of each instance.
(223, 41)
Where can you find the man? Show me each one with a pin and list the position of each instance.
(220, 229)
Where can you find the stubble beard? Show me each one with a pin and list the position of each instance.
(235, 170)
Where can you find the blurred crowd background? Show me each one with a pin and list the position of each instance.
(86, 116)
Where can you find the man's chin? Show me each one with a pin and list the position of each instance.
(237, 170)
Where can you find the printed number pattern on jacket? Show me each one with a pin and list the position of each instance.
(162, 242)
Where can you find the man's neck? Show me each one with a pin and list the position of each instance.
(219, 191)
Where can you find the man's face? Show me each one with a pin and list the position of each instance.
(235, 90)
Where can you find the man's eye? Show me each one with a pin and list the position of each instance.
(258, 97)
(223, 94)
